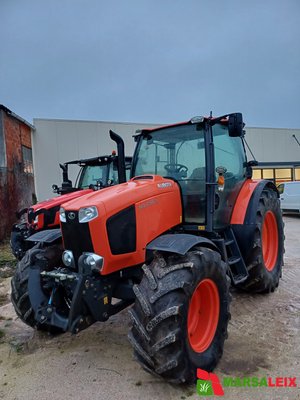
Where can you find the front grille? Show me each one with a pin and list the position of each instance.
(121, 230)
(76, 236)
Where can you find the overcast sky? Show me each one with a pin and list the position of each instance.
(154, 61)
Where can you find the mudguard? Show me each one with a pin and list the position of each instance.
(18, 243)
(47, 236)
(243, 220)
(179, 243)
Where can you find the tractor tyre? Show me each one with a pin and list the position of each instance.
(266, 258)
(19, 284)
(181, 313)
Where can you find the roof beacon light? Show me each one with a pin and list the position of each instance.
(197, 120)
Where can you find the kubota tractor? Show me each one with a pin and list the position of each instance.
(94, 174)
(169, 241)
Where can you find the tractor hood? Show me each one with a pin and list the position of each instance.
(123, 195)
(49, 203)
(45, 214)
(126, 218)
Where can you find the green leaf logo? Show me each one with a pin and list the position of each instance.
(204, 388)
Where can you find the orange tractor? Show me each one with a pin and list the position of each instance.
(169, 241)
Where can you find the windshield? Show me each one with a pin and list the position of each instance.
(280, 188)
(113, 174)
(177, 152)
(171, 152)
(91, 174)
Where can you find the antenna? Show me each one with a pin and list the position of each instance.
(248, 147)
(294, 136)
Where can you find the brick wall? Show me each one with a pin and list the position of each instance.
(16, 187)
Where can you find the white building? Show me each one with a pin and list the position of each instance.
(57, 141)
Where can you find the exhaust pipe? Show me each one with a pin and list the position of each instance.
(64, 168)
(66, 183)
(121, 155)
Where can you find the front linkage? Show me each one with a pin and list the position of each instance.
(72, 301)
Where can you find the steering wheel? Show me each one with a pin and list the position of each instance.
(176, 168)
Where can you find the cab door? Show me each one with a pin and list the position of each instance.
(230, 161)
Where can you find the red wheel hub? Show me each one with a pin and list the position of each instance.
(270, 240)
(203, 315)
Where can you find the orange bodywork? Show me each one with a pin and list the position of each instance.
(54, 202)
(242, 201)
(157, 203)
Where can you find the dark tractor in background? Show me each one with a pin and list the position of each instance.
(94, 174)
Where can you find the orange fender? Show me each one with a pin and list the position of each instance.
(242, 201)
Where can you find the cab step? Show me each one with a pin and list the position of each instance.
(237, 267)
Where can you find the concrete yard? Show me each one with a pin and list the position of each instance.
(98, 363)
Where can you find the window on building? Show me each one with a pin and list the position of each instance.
(27, 160)
(297, 174)
(277, 175)
(268, 174)
(283, 175)
(256, 174)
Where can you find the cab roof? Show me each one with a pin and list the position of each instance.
(192, 121)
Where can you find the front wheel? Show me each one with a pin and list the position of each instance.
(19, 283)
(181, 314)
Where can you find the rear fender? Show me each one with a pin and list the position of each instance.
(179, 243)
(243, 220)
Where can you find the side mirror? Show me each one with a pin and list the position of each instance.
(235, 124)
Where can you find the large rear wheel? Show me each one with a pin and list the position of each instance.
(266, 258)
(181, 313)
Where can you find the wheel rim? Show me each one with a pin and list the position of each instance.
(203, 315)
(270, 240)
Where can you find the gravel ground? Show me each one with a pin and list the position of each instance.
(97, 363)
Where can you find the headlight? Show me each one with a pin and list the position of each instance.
(86, 214)
(68, 258)
(62, 214)
(92, 260)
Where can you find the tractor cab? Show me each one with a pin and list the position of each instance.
(95, 173)
(206, 157)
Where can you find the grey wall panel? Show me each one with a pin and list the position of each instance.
(273, 144)
(58, 141)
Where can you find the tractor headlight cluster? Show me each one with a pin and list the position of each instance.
(92, 260)
(62, 215)
(68, 258)
(87, 214)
